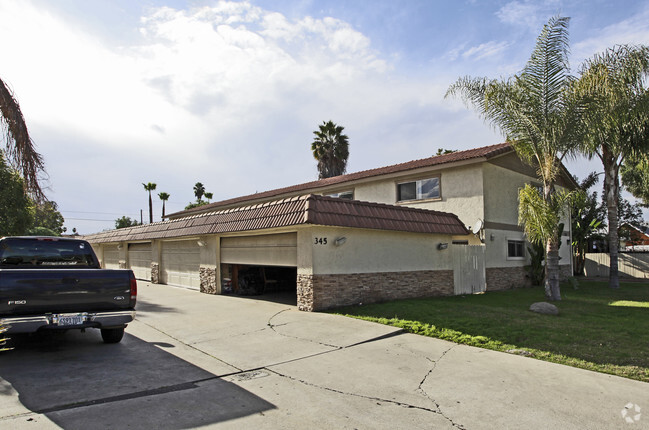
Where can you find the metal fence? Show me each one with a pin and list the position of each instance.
(632, 265)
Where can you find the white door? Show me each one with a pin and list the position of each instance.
(180, 262)
(469, 269)
(111, 257)
(139, 260)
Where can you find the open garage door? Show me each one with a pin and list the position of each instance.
(180, 263)
(139, 260)
(111, 257)
(262, 250)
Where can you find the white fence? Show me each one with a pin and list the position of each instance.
(629, 265)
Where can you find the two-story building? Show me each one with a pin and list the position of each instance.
(437, 226)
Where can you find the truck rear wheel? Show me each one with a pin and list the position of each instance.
(112, 335)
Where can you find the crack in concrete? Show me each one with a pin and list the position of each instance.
(423, 381)
(362, 396)
(191, 346)
(273, 326)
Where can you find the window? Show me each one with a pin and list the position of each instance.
(515, 249)
(347, 195)
(419, 190)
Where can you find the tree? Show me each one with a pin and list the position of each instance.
(634, 173)
(125, 221)
(150, 187)
(199, 191)
(536, 113)
(20, 150)
(164, 197)
(16, 214)
(588, 217)
(442, 151)
(331, 149)
(209, 196)
(47, 215)
(614, 86)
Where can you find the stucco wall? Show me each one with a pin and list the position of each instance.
(369, 251)
(461, 189)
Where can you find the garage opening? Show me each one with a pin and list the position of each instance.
(261, 265)
(273, 283)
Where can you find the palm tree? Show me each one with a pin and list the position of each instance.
(331, 149)
(199, 191)
(150, 187)
(614, 85)
(209, 196)
(164, 197)
(20, 149)
(536, 113)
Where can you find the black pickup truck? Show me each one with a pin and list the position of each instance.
(53, 283)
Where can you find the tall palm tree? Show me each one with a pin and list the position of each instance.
(20, 150)
(199, 191)
(164, 197)
(331, 149)
(150, 187)
(614, 85)
(536, 112)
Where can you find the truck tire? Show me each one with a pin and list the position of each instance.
(112, 335)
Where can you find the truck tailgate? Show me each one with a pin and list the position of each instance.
(29, 291)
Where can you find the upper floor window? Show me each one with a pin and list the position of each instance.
(419, 190)
(347, 195)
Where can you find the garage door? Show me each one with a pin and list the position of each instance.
(180, 263)
(265, 250)
(139, 260)
(111, 257)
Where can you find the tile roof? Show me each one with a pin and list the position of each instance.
(306, 209)
(485, 152)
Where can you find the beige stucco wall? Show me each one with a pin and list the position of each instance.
(461, 188)
(501, 187)
(369, 251)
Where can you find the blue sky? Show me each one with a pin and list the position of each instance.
(119, 93)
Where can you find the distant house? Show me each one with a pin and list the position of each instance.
(634, 237)
(437, 226)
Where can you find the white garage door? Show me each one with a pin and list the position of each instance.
(139, 260)
(180, 263)
(111, 257)
(265, 250)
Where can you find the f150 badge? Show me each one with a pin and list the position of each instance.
(17, 302)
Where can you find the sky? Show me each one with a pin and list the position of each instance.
(117, 93)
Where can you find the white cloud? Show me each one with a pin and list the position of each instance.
(484, 50)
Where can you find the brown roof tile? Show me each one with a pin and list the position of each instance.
(470, 154)
(308, 209)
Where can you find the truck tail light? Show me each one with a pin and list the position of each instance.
(133, 288)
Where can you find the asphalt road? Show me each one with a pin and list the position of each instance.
(191, 360)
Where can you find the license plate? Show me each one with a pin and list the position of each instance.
(65, 320)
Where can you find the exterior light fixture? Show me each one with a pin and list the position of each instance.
(339, 241)
(492, 237)
(442, 246)
(201, 243)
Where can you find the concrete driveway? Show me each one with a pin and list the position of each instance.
(193, 360)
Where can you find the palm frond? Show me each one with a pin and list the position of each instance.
(20, 149)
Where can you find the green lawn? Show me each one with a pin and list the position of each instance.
(598, 328)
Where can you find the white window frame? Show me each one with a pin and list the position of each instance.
(339, 194)
(417, 183)
(515, 239)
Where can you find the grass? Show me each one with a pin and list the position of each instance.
(597, 329)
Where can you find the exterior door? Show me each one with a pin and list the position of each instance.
(111, 257)
(180, 263)
(469, 269)
(139, 260)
